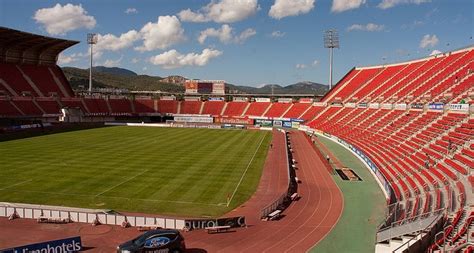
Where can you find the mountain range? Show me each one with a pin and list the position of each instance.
(105, 77)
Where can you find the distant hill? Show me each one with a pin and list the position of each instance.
(104, 77)
(118, 78)
(114, 71)
(297, 88)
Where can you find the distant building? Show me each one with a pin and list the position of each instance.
(174, 79)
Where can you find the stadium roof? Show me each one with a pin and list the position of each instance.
(22, 47)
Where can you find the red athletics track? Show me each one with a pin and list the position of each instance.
(305, 222)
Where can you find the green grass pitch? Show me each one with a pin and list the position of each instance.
(170, 171)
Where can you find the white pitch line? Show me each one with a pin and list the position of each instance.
(117, 197)
(117, 185)
(10, 186)
(245, 172)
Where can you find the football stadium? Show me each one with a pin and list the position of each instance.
(381, 161)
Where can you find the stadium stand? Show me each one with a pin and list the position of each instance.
(7, 109)
(277, 110)
(144, 105)
(235, 108)
(168, 106)
(120, 106)
(409, 119)
(213, 107)
(297, 110)
(49, 105)
(257, 108)
(27, 106)
(73, 103)
(190, 107)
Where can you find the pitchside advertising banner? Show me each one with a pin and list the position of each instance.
(459, 107)
(233, 121)
(436, 106)
(193, 119)
(67, 245)
(233, 222)
(287, 124)
(264, 122)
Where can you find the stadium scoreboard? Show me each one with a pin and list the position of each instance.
(214, 87)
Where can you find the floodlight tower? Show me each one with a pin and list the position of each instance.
(331, 41)
(91, 40)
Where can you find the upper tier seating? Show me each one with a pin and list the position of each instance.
(13, 82)
(411, 81)
(43, 80)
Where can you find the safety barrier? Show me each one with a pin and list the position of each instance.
(27, 211)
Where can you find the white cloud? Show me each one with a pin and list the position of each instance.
(314, 64)
(114, 43)
(131, 11)
(285, 8)
(135, 60)
(435, 52)
(225, 34)
(249, 32)
(113, 63)
(223, 11)
(386, 4)
(301, 66)
(345, 5)
(166, 32)
(429, 41)
(173, 59)
(370, 27)
(66, 59)
(59, 20)
(277, 34)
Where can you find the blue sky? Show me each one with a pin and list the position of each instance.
(246, 42)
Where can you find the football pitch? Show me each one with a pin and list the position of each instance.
(170, 171)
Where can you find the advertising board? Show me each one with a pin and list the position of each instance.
(244, 121)
(264, 122)
(72, 244)
(193, 119)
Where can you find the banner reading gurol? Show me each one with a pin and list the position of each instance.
(233, 222)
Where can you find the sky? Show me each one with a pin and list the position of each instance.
(245, 42)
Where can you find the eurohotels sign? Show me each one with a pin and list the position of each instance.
(67, 245)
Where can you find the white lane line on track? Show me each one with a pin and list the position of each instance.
(245, 172)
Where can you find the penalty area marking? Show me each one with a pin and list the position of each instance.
(13, 185)
(245, 172)
(119, 184)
